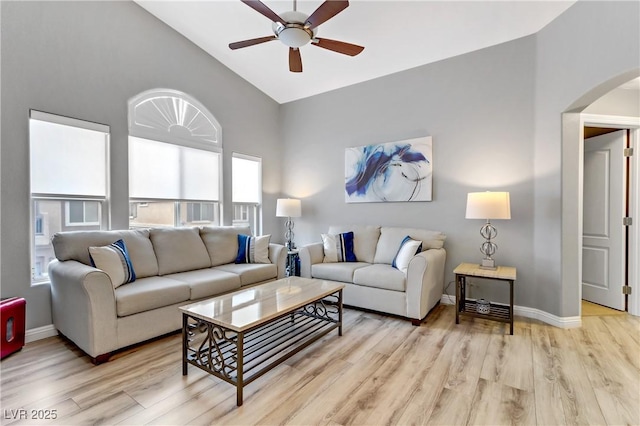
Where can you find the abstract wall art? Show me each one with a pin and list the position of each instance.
(389, 172)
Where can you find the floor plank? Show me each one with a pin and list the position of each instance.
(577, 395)
(590, 309)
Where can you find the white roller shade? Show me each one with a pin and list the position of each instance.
(246, 180)
(67, 160)
(200, 171)
(159, 170)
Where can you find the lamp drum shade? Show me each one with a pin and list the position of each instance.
(288, 207)
(488, 205)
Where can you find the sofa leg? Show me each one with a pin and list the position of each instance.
(101, 359)
(416, 322)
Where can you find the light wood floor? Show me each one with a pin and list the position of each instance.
(382, 371)
(593, 309)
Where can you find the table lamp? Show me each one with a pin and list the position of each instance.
(289, 207)
(488, 205)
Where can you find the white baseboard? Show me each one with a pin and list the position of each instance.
(39, 333)
(43, 332)
(523, 311)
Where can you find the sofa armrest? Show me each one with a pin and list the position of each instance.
(278, 256)
(425, 281)
(84, 306)
(310, 255)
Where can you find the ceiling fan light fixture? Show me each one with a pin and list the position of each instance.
(293, 33)
(294, 36)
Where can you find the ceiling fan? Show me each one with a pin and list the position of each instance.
(295, 29)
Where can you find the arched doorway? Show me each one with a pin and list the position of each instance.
(573, 123)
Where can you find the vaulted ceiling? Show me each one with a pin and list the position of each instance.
(397, 35)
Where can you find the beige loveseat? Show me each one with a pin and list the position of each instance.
(173, 267)
(371, 282)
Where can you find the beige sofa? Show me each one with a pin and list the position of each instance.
(173, 266)
(371, 282)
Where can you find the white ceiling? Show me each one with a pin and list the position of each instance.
(397, 35)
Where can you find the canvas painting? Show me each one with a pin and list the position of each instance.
(389, 172)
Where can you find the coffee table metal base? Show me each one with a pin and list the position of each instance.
(241, 357)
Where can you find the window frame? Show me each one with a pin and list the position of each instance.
(85, 222)
(34, 197)
(143, 126)
(191, 212)
(256, 226)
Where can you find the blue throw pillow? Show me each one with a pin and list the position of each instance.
(338, 248)
(114, 260)
(253, 249)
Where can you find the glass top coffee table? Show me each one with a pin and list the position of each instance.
(240, 336)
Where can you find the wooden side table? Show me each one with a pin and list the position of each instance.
(466, 307)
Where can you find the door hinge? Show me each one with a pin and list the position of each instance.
(627, 221)
(626, 289)
(628, 152)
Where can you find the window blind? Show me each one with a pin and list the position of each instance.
(164, 171)
(246, 180)
(66, 159)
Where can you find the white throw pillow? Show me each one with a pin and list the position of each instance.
(253, 249)
(114, 261)
(338, 248)
(261, 254)
(408, 249)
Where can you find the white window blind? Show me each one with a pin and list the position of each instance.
(67, 159)
(165, 171)
(246, 179)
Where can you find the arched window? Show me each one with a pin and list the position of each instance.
(175, 161)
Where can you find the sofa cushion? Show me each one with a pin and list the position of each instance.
(179, 250)
(208, 282)
(150, 293)
(253, 249)
(251, 273)
(338, 248)
(222, 242)
(143, 257)
(336, 271)
(114, 260)
(380, 276)
(365, 239)
(74, 245)
(391, 238)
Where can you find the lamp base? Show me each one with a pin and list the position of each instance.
(488, 264)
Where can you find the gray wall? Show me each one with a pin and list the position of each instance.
(587, 46)
(478, 108)
(85, 60)
(495, 119)
(624, 102)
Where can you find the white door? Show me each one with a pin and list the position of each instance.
(603, 246)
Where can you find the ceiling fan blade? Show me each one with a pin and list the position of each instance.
(247, 43)
(295, 60)
(338, 46)
(326, 11)
(260, 7)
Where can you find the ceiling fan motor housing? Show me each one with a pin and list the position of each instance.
(294, 33)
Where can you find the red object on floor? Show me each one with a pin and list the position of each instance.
(12, 312)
